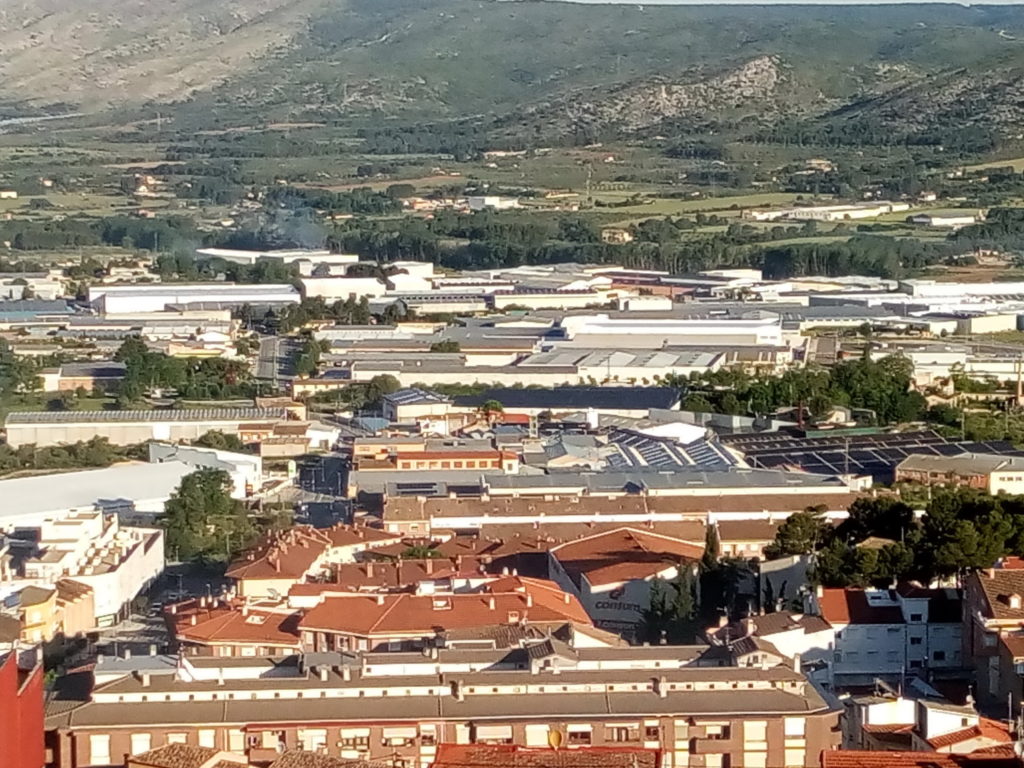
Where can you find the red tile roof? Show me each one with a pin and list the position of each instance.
(510, 756)
(507, 600)
(229, 623)
(985, 729)
(868, 759)
(290, 554)
(397, 575)
(623, 555)
(851, 606)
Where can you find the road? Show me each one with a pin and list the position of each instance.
(275, 360)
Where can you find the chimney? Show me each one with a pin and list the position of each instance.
(202, 601)
(430, 566)
(529, 600)
(369, 570)
(245, 609)
(192, 619)
(174, 608)
(567, 597)
(796, 662)
(380, 599)
(145, 680)
(152, 649)
(323, 674)
(1014, 601)
(991, 573)
(346, 674)
(661, 686)
(491, 602)
(457, 691)
(128, 651)
(504, 571)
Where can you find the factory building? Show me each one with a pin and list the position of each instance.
(131, 427)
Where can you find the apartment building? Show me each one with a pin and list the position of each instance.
(993, 632)
(889, 633)
(21, 726)
(990, 473)
(407, 621)
(90, 547)
(407, 706)
(620, 497)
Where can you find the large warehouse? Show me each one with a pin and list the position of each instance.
(131, 427)
(157, 297)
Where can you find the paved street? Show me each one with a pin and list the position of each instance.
(275, 359)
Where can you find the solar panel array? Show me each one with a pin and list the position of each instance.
(639, 450)
(874, 455)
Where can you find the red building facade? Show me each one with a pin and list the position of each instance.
(21, 704)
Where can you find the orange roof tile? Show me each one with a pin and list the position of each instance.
(511, 756)
(507, 600)
(226, 623)
(985, 729)
(623, 555)
(851, 606)
(869, 759)
(290, 554)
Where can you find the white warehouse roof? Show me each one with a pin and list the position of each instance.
(29, 500)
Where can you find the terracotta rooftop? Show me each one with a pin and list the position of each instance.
(290, 554)
(176, 756)
(987, 728)
(998, 586)
(510, 756)
(851, 606)
(224, 623)
(623, 555)
(866, 759)
(388, 575)
(297, 758)
(505, 601)
(747, 530)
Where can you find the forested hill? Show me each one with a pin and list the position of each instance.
(555, 65)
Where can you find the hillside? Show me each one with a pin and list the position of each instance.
(533, 64)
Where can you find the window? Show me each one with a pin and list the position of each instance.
(579, 737)
(622, 733)
(716, 732)
(99, 749)
(236, 740)
(652, 733)
(313, 739)
(177, 738)
(207, 738)
(794, 727)
(755, 731)
(493, 734)
(892, 656)
(915, 640)
(141, 742)
(271, 739)
(916, 617)
(399, 737)
(794, 758)
(939, 656)
(355, 738)
(915, 664)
